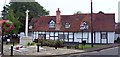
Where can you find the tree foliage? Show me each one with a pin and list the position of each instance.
(16, 22)
(78, 12)
(16, 10)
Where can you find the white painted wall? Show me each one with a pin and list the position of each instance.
(116, 36)
(47, 35)
(97, 36)
(79, 35)
(111, 36)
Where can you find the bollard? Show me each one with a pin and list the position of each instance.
(37, 48)
(11, 51)
(13, 43)
(41, 44)
(55, 46)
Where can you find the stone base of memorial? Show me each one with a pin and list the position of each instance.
(25, 40)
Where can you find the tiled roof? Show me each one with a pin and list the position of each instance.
(33, 21)
(101, 22)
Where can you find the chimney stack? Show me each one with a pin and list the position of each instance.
(58, 20)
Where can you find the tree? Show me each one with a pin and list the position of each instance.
(16, 22)
(19, 8)
(78, 12)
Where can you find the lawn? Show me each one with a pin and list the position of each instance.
(86, 46)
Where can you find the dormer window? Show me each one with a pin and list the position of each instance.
(67, 25)
(84, 26)
(52, 24)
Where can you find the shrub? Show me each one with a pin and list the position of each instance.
(33, 43)
(35, 40)
(52, 42)
(46, 43)
(40, 40)
(58, 43)
(76, 46)
(30, 44)
(117, 41)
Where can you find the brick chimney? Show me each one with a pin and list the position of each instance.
(58, 20)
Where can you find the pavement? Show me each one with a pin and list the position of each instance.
(51, 51)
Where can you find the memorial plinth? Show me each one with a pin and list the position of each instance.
(25, 40)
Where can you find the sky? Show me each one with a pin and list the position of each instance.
(69, 7)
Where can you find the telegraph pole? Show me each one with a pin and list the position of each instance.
(91, 24)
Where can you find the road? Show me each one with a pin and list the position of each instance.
(111, 52)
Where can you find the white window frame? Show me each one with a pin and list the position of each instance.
(67, 25)
(52, 24)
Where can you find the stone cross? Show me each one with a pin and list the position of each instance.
(26, 25)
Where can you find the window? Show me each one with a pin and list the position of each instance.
(41, 36)
(52, 34)
(66, 36)
(84, 26)
(67, 25)
(61, 36)
(104, 35)
(51, 24)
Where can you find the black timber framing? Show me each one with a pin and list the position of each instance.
(45, 35)
(64, 36)
(107, 37)
(54, 35)
(73, 36)
(58, 36)
(68, 36)
(100, 37)
(82, 35)
(88, 37)
(49, 35)
(94, 37)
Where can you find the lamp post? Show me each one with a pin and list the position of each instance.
(91, 25)
(2, 41)
(4, 12)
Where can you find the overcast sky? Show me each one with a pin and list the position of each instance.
(69, 7)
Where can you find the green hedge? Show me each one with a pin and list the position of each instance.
(51, 42)
(31, 44)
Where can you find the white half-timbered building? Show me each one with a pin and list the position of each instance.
(74, 28)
